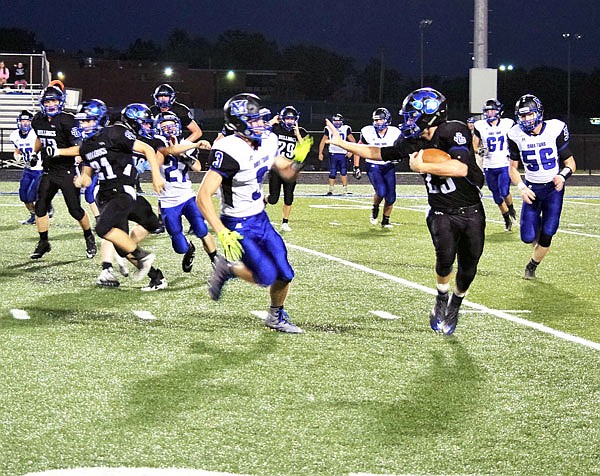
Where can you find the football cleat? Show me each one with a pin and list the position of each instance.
(373, 220)
(41, 249)
(122, 264)
(90, 247)
(508, 225)
(107, 279)
(387, 226)
(280, 322)
(439, 311)
(285, 227)
(156, 284)
(29, 221)
(448, 325)
(143, 266)
(188, 258)
(221, 273)
(529, 272)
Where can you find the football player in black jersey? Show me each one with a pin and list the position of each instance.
(456, 219)
(107, 151)
(164, 101)
(57, 138)
(289, 133)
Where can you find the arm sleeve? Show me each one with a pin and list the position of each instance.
(562, 144)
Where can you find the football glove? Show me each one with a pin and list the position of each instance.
(482, 151)
(357, 173)
(230, 241)
(302, 149)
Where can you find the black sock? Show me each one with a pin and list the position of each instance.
(106, 265)
(385, 220)
(212, 255)
(43, 236)
(285, 220)
(533, 264)
(506, 217)
(375, 211)
(455, 300)
(87, 233)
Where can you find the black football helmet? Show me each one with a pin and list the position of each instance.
(289, 117)
(379, 114)
(167, 124)
(138, 118)
(24, 122)
(492, 110)
(337, 120)
(161, 91)
(52, 93)
(526, 105)
(93, 110)
(241, 111)
(421, 109)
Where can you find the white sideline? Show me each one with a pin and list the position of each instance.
(433, 292)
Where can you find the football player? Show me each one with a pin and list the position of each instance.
(164, 101)
(255, 251)
(288, 133)
(543, 147)
(23, 138)
(58, 139)
(489, 139)
(337, 155)
(177, 198)
(382, 175)
(107, 151)
(456, 218)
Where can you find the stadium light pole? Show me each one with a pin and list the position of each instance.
(426, 22)
(503, 68)
(570, 37)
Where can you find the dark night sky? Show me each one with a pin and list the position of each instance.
(526, 34)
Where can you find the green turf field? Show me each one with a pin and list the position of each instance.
(368, 389)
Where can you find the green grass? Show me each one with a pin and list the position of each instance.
(87, 383)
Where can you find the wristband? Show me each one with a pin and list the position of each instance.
(521, 186)
(566, 173)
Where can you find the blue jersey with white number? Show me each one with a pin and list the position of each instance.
(243, 168)
(541, 154)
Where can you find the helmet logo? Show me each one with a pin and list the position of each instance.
(239, 107)
(460, 139)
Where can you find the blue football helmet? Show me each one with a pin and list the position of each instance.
(471, 120)
(138, 118)
(526, 105)
(24, 122)
(379, 114)
(167, 124)
(492, 110)
(93, 110)
(52, 93)
(242, 111)
(421, 109)
(289, 117)
(337, 120)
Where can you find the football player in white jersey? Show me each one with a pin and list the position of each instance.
(254, 251)
(337, 156)
(382, 175)
(489, 139)
(543, 147)
(177, 198)
(23, 138)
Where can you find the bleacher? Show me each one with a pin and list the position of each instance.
(11, 104)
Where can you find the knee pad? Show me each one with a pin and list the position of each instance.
(545, 240)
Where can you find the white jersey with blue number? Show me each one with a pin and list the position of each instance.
(178, 186)
(25, 146)
(540, 154)
(243, 169)
(368, 135)
(493, 137)
(344, 132)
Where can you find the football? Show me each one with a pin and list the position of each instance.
(435, 156)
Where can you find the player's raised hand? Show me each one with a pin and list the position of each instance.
(334, 135)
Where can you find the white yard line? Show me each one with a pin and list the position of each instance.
(145, 315)
(478, 307)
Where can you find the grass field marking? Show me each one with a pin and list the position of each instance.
(102, 471)
(385, 315)
(20, 314)
(145, 315)
(260, 314)
(484, 309)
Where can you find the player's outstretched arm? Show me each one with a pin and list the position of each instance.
(366, 151)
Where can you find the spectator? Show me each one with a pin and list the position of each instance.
(4, 74)
(20, 76)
